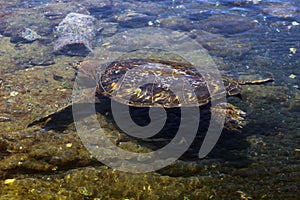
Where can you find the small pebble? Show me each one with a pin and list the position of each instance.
(296, 87)
(69, 145)
(293, 50)
(294, 23)
(9, 181)
(256, 1)
(4, 119)
(106, 44)
(14, 93)
(84, 191)
(150, 23)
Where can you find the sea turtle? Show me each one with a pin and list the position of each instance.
(111, 84)
(155, 52)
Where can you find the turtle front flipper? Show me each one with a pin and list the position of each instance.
(233, 87)
(255, 82)
(254, 79)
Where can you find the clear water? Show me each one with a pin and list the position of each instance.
(246, 38)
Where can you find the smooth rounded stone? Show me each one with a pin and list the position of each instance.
(101, 12)
(132, 19)
(109, 28)
(227, 24)
(174, 23)
(281, 9)
(25, 35)
(221, 46)
(128, 15)
(76, 33)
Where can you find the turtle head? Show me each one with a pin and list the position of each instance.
(86, 73)
(232, 87)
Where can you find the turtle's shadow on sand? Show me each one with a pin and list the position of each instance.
(230, 149)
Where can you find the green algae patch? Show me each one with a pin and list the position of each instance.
(30, 94)
(104, 183)
(24, 55)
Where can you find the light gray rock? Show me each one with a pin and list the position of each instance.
(76, 34)
(25, 35)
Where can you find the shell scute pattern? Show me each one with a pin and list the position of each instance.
(157, 90)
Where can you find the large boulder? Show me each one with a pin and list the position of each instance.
(76, 34)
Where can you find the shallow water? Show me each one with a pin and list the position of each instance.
(248, 39)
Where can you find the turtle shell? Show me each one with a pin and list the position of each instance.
(148, 83)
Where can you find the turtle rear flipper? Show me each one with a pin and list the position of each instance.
(63, 117)
(56, 120)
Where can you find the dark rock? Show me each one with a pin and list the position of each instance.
(175, 23)
(16, 22)
(53, 15)
(132, 19)
(227, 24)
(72, 45)
(57, 77)
(281, 10)
(43, 61)
(101, 12)
(222, 46)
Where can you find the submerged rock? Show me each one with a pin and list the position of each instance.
(227, 24)
(175, 23)
(26, 35)
(109, 28)
(281, 10)
(132, 19)
(72, 44)
(76, 34)
(24, 55)
(222, 46)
